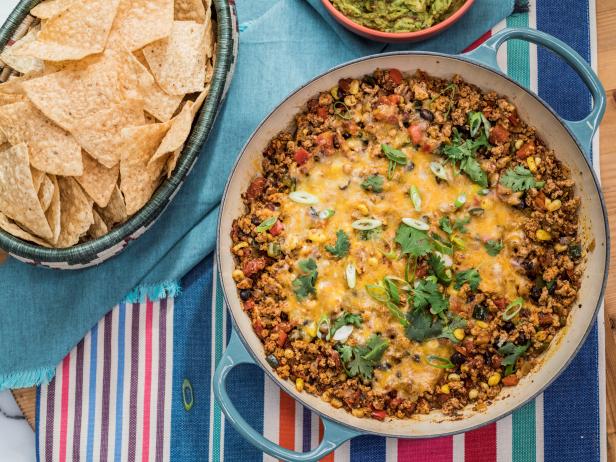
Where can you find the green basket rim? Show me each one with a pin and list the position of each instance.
(88, 251)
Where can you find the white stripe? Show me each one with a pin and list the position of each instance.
(299, 426)
(113, 382)
(224, 347)
(128, 325)
(213, 359)
(458, 448)
(85, 399)
(155, 369)
(539, 428)
(100, 355)
(168, 380)
(391, 449)
(271, 413)
(42, 427)
(314, 431)
(140, 384)
(504, 439)
(501, 57)
(70, 421)
(343, 453)
(56, 412)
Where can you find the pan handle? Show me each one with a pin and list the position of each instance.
(333, 435)
(584, 129)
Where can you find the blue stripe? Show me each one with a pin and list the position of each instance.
(307, 433)
(192, 344)
(368, 449)
(92, 394)
(120, 387)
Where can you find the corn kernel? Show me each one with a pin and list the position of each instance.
(464, 368)
(554, 205)
(494, 379)
(484, 385)
(334, 91)
(316, 236)
(237, 275)
(482, 324)
(350, 101)
(473, 394)
(459, 334)
(518, 144)
(335, 402)
(358, 412)
(299, 384)
(288, 353)
(239, 246)
(532, 165)
(453, 377)
(560, 247)
(311, 329)
(372, 261)
(537, 160)
(354, 87)
(363, 208)
(445, 389)
(543, 235)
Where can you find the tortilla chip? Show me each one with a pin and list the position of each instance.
(18, 197)
(13, 229)
(172, 161)
(138, 177)
(37, 175)
(97, 180)
(76, 217)
(115, 212)
(45, 192)
(53, 213)
(23, 64)
(141, 22)
(50, 8)
(190, 10)
(52, 149)
(13, 86)
(178, 62)
(79, 31)
(98, 228)
(8, 98)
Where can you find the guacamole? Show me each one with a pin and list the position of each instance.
(397, 15)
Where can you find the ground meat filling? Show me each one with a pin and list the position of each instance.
(412, 245)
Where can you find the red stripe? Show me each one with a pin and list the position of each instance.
(480, 445)
(147, 381)
(286, 434)
(479, 41)
(426, 450)
(66, 363)
(329, 457)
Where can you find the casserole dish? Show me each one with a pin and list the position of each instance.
(98, 250)
(572, 140)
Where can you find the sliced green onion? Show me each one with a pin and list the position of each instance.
(447, 260)
(343, 333)
(474, 122)
(513, 309)
(366, 224)
(432, 278)
(484, 192)
(476, 211)
(389, 252)
(273, 249)
(323, 320)
(378, 292)
(266, 224)
(401, 283)
(342, 110)
(417, 224)
(351, 275)
(439, 362)
(188, 396)
(327, 213)
(486, 125)
(397, 313)
(302, 197)
(439, 171)
(415, 197)
(394, 155)
(459, 242)
(460, 201)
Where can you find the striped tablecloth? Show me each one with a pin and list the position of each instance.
(118, 395)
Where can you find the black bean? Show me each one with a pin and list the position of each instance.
(508, 326)
(480, 312)
(575, 251)
(457, 358)
(346, 135)
(521, 340)
(535, 293)
(410, 166)
(426, 115)
(272, 361)
(245, 294)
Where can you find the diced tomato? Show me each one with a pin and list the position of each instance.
(392, 100)
(499, 134)
(497, 360)
(256, 188)
(326, 139)
(249, 304)
(379, 415)
(511, 380)
(352, 127)
(527, 149)
(396, 76)
(514, 119)
(322, 112)
(301, 156)
(282, 337)
(416, 134)
(250, 267)
(500, 303)
(257, 326)
(277, 228)
(421, 271)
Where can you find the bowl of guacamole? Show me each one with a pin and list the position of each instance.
(397, 20)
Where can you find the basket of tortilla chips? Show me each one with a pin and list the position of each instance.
(104, 106)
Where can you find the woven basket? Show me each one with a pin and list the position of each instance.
(96, 251)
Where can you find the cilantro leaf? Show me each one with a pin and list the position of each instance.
(342, 246)
(511, 353)
(373, 183)
(441, 244)
(427, 294)
(346, 352)
(394, 155)
(303, 285)
(445, 224)
(456, 322)
(459, 224)
(377, 346)
(413, 241)
(471, 167)
(439, 269)
(347, 319)
(493, 247)
(464, 153)
(520, 179)
(362, 360)
(470, 277)
(422, 326)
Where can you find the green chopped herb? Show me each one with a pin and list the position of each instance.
(511, 352)
(439, 362)
(427, 294)
(463, 153)
(413, 241)
(395, 156)
(470, 277)
(456, 322)
(304, 285)
(439, 269)
(493, 247)
(361, 360)
(520, 179)
(342, 246)
(370, 234)
(459, 224)
(373, 183)
(422, 325)
(415, 197)
(445, 224)
(344, 319)
(266, 224)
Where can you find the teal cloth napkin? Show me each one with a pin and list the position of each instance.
(44, 313)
